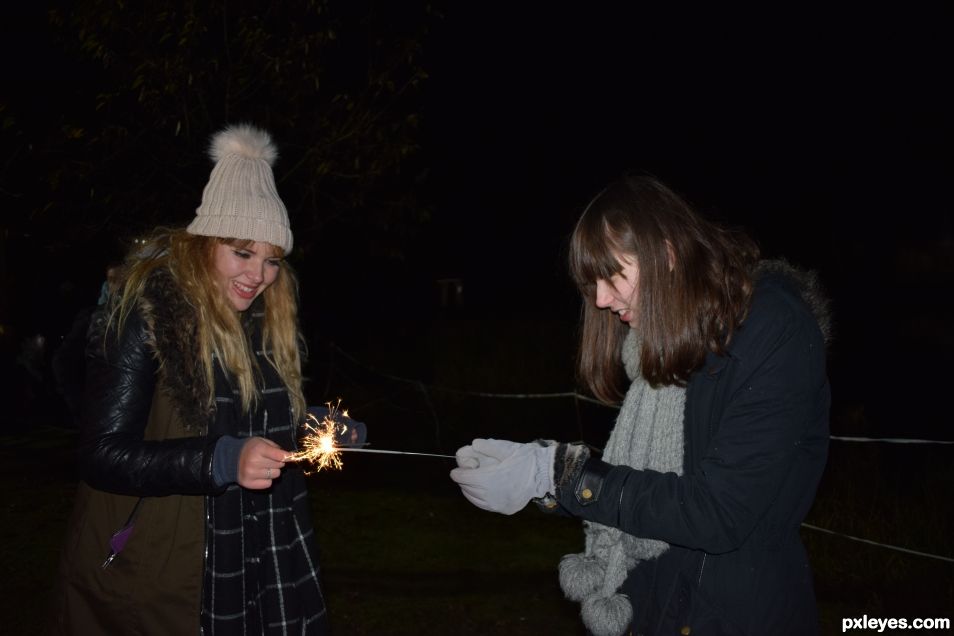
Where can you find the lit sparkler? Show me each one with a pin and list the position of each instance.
(319, 445)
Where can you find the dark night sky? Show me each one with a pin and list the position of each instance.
(827, 135)
(806, 129)
(819, 131)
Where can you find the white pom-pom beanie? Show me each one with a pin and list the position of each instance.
(240, 200)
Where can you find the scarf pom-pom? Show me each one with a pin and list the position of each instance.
(580, 576)
(607, 616)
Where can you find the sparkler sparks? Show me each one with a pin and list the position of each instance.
(319, 445)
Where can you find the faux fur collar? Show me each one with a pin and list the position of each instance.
(806, 283)
(174, 325)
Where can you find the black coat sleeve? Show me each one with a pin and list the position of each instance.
(772, 409)
(113, 456)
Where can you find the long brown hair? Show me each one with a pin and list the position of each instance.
(693, 286)
(189, 259)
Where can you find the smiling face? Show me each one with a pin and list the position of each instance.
(244, 270)
(619, 293)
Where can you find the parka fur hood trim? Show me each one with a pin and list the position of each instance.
(174, 326)
(806, 283)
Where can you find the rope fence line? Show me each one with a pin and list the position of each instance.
(421, 386)
(577, 397)
(880, 545)
(889, 440)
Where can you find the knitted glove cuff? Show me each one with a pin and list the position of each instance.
(568, 461)
(225, 459)
(567, 465)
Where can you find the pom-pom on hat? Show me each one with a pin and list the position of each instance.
(240, 200)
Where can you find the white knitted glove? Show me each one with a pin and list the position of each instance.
(502, 476)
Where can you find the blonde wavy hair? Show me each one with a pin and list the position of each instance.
(189, 259)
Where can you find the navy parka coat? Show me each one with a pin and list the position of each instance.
(756, 442)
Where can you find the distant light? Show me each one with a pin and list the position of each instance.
(452, 292)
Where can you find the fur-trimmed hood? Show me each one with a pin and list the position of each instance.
(174, 325)
(806, 283)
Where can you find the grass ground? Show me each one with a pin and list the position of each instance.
(403, 553)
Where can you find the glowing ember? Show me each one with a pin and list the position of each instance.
(319, 447)
(318, 444)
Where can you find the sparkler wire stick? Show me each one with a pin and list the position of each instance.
(320, 445)
(390, 452)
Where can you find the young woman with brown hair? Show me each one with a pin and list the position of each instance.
(692, 514)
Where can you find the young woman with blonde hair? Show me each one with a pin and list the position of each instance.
(187, 519)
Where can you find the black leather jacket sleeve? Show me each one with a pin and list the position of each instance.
(113, 456)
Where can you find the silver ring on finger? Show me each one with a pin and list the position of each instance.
(268, 473)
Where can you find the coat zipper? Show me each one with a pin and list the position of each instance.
(205, 561)
(701, 568)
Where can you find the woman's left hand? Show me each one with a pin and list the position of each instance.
(260, 463)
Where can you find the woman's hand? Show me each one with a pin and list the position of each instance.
(502, 476)
(260, 463)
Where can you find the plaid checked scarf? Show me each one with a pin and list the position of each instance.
(261, 568)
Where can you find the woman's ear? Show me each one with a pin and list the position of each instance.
(670, 255)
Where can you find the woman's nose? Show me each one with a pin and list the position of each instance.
(256, 272)
(604, 297)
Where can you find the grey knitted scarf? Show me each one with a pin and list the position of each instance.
(648, 434)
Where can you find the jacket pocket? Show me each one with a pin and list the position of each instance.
(709, 597)
(705, 617)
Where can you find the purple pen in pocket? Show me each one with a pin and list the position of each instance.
(119, 539)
